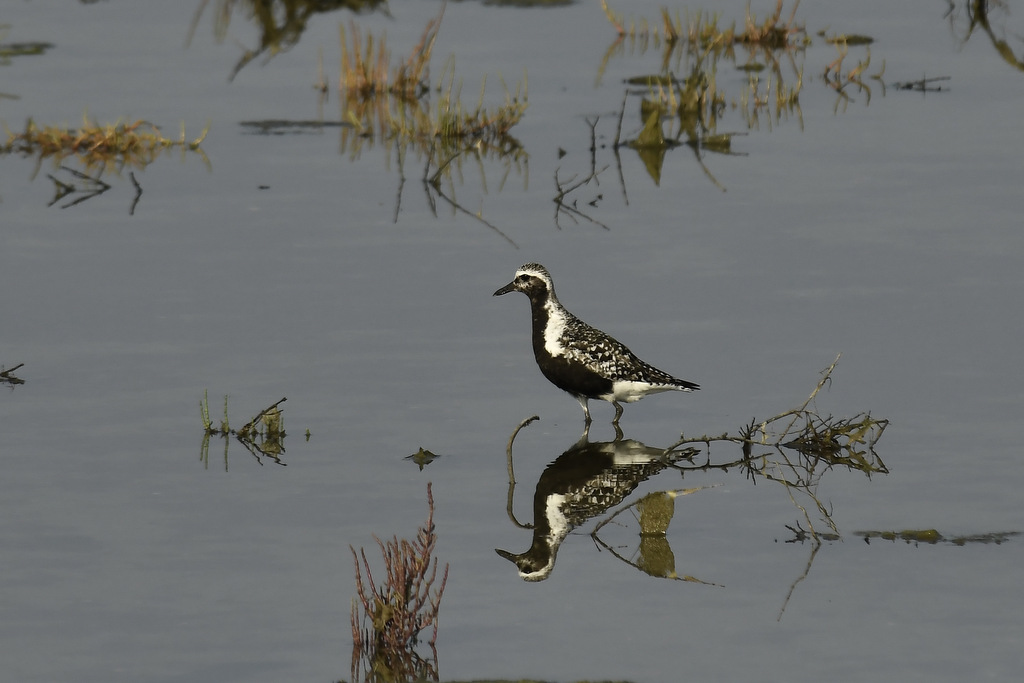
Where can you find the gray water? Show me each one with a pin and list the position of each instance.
(887, 229)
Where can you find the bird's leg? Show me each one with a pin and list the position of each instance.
(586, 408)
(618, 412)
(585, 439)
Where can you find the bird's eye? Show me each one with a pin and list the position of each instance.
(523, 278)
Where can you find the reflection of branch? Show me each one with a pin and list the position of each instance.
(821, 444)
(62, 189)
(434, 182)
(512, 476)
(815, 546)
(571, 209)
(922, 84)
(138, 193)
(508, 449)
(594, 174)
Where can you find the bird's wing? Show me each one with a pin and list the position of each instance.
(597, 351)
(608, 357)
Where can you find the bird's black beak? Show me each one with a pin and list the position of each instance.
(510, 287)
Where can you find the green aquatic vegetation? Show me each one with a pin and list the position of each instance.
(262, 436)
(933, 537)
(8, 50)
(107, 147)
(422, 457)
(846, 38)
(25, 49)
(689, 110)
(702, 29)
(698, 42)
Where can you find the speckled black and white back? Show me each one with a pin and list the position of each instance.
(581, 359)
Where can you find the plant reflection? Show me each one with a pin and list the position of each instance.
(977, 14)
(686, 102)
(281, 22)
(422, 457)
(390, 106)
(263, 435)
(933, 537)
(97, 149)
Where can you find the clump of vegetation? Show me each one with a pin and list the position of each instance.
(111, 146)
(702, 29)
(772, 32)
(819, 442)
(399, 106)
(388, 617)
(686, 101)
(262, 436)
(392, 101)
(368, 72)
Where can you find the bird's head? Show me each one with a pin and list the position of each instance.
(533, 280)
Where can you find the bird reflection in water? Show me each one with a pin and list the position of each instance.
(582, 483)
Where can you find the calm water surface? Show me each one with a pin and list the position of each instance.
(887, 229)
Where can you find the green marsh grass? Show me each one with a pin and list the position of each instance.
(100, 146)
